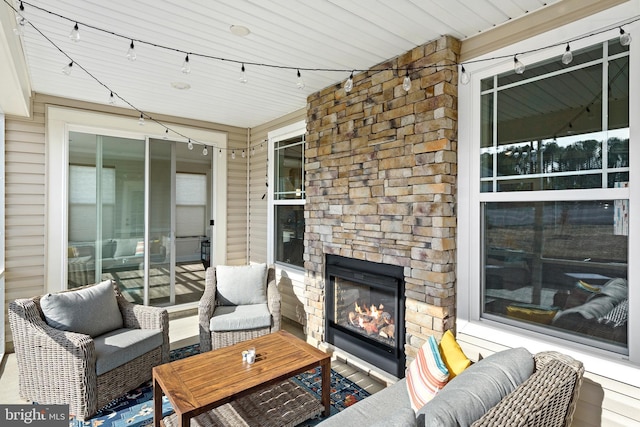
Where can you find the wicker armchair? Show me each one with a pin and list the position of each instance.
(212, 339)
(59, 367)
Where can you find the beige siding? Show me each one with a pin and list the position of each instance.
(290, 284)
(25, 197)
(25, 176)
(603, 402)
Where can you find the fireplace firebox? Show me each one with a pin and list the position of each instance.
(365, 311)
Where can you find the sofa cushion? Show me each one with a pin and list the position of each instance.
(240, 317)
(378, 406)
(92, 311)
(403, 417)
(126, 247)
(118, 347)
(241, 284)
(452, 355)
(480, 387)
(426, 374)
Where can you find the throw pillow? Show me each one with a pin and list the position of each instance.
(241, 284)
(426, 375)
(91, 311)
(452, 355)
(532, 313)
(478, 389)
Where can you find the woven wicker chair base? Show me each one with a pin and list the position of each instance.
(227, 338)
(282, 405)
(127, 376)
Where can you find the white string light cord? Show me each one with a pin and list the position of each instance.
(519, 67)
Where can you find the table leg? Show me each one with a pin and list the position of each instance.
(157, 403)
(326, 387)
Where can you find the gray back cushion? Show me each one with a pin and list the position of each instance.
(477, 389)
(91, 311)
(241, 284)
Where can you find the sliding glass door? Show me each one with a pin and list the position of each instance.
(126, 221)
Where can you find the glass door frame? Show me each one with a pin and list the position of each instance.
(60, 121)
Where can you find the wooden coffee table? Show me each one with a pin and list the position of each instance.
(200, 383)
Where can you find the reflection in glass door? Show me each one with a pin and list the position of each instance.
(122, 226)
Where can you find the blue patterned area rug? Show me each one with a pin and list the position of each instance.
(135, 409)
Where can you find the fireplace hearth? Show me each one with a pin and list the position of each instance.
(365, 311)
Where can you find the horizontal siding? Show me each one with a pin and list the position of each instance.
(237, 199)
(602, 401)
(25, 201)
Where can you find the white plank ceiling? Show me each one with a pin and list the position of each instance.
(323, 38)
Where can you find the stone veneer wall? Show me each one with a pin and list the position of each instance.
(381, 170)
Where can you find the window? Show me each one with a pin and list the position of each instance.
(554, 197)
(288, 196)
(191, 204)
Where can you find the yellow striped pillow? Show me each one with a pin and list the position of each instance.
(426, 375)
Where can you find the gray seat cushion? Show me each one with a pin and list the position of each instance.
(91, 311)
(240, 317)
(378, 406)
(123, 345)
(480, 387)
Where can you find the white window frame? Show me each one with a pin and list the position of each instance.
(469, 322)
(293, 130)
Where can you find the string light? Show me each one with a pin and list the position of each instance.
(75, 33)
(567, 56)
(300, 82)
(625, 38)
(205, 151)
(518, 66)
(465, 77)
(220, 152)
(349, 83)
(243, 154)
(406, 83)
(166, 134)
(131, 53)
(186, 68)
(243, 75)
(190, 145)
(21, 21)
(67, 68)
(112, 99)
(233, 154)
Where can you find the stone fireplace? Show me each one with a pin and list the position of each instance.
(381, 172)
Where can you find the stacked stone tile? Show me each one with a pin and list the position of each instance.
(381, 170)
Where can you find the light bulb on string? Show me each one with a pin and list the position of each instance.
(21, 21)
(518, 66)
(243, 154)
(406, 83)
(348, 86)
(567, 56)
(300, 82)
(67, 68)
(131, 53)
(186, 68)
(112, 99)
(220, 152)
(75, 33)
(465, 77)
(141, 120)
(253, 151)
(625, 38)
(166, 134)
(243, 75)
(233, 154)
(190, 145)
(205, 152)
